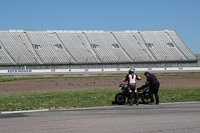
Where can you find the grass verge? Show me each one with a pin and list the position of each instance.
(57, 100)
(85, 98)
(8, 79)
(179, 94)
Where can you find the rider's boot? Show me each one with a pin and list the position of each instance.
(137, 102)
(136, 98)
(131, 102)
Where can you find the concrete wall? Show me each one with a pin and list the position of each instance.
(118, 65)
(103, 70)
(87, 66)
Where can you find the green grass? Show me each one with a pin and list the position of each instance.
(8, 79)
(177, 74)
(85, 98)
(179, 94)
(59, 99)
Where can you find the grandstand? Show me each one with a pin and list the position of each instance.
(91, 48)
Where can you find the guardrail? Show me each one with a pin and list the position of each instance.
(101, 70)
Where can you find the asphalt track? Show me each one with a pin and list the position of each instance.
(163, 118)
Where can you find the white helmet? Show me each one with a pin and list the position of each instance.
(131, 70)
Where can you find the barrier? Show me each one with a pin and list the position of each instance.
(101, 70)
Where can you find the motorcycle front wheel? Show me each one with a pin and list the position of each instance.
(120, 99)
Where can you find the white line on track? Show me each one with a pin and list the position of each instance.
(23, 111)
(99, 107)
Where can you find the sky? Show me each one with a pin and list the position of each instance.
(183, 16)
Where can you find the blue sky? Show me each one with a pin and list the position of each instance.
(180, 15)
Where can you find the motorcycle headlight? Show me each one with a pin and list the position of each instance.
(120, 88)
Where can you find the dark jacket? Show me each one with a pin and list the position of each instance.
(152, 79)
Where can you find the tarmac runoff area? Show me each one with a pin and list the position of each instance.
(162, 118)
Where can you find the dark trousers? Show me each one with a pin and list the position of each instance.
(154, 90)
(132, 88)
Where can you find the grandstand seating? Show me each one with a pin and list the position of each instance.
(115, 47)
(90, 47)
(180, 45)
(16, 47)
(132, 46)
(76, 45)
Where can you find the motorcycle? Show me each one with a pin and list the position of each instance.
(123, 97)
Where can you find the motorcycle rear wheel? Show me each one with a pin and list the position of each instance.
(120, 99)
(145, 98)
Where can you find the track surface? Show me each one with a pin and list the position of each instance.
(163, 118)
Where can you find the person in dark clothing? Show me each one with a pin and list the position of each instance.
(154, 86)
